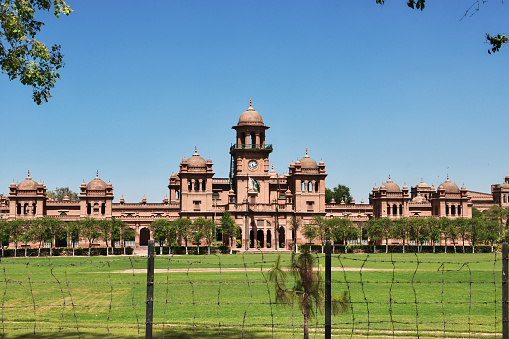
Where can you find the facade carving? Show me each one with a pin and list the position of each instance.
(263, 211)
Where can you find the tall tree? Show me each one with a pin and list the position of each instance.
(309, 233)
(161, 229)
(184, 230)
(434, 231)
(401, 230)
(105, 230)
(343, 230)
(463, 228)
(229, 228)
(21, 55)
(4, 234)
(295, 225)
(339, 193)
(60, 192)
(308, 288)
(322, 229)
(90, 230)
(73, 233)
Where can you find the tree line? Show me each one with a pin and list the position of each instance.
(48, 229)
(173, 233)
(484, 228)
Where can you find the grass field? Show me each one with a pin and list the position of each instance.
(399, 295)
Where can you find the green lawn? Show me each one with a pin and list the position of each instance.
(400, 295)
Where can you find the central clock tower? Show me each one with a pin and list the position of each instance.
(250, 157)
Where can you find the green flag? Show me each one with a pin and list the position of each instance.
(254, 185)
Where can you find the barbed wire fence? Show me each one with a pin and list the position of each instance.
(169, 296)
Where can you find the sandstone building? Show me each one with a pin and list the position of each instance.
(262, 202)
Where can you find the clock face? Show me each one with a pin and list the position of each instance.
(252, 165)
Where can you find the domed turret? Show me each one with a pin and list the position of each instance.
(307, 162)
(28, 184)
(448, 186)
(390, 186)
(422, 184)
(250, 117)
(196, 160)
(97, 184)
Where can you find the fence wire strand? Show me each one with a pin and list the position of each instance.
(391, 295)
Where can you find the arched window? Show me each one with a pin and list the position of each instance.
(303, 186)
(446, 209)
(394, 209)
(316, 186)
(388, 209)
(103, 208)
(196, 185)
(177, 194)
(400, 209)
(25, 208)
(189, 186)
(453, 210)
(89, 208)
(253, 139)
(34, 208)
(18, 208)
(203, 185)
(310, 186)
(262, 138)
(459, 209)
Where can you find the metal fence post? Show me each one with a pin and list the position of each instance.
(327, 290)
(505, 313)
(150, 290)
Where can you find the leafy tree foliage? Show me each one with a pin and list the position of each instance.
(184, 229)
(90, 230)
(21, 55)
(339, 193)
(496, 42)
(60, 192)
(229, 228)
(308, 288)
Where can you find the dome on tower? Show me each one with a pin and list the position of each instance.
(308, 162)
(28, 184)
(97, 184)
(422, 184)
(196, 160)
(250, 117)
(449, 186)
(390, 186)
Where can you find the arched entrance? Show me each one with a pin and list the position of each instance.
(251, 239)
(281, 237)
(269, 239)
(144, 236)
(259, 239)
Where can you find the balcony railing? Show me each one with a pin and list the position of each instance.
(251, 146)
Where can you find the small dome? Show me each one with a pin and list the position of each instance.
(97, 184)
(422, 184)
(307, 162)
(390, 186)
(375, 188)
(250, 117)
(321, 163)
(195, 160)
(507, 176)
(419, 198)
(28, 184)
(109, 184)
(449, 186)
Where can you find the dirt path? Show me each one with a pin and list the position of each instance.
(230, 269)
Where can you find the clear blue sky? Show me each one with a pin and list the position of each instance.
(371, 90)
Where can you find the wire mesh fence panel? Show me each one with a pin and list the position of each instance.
(235, 296)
